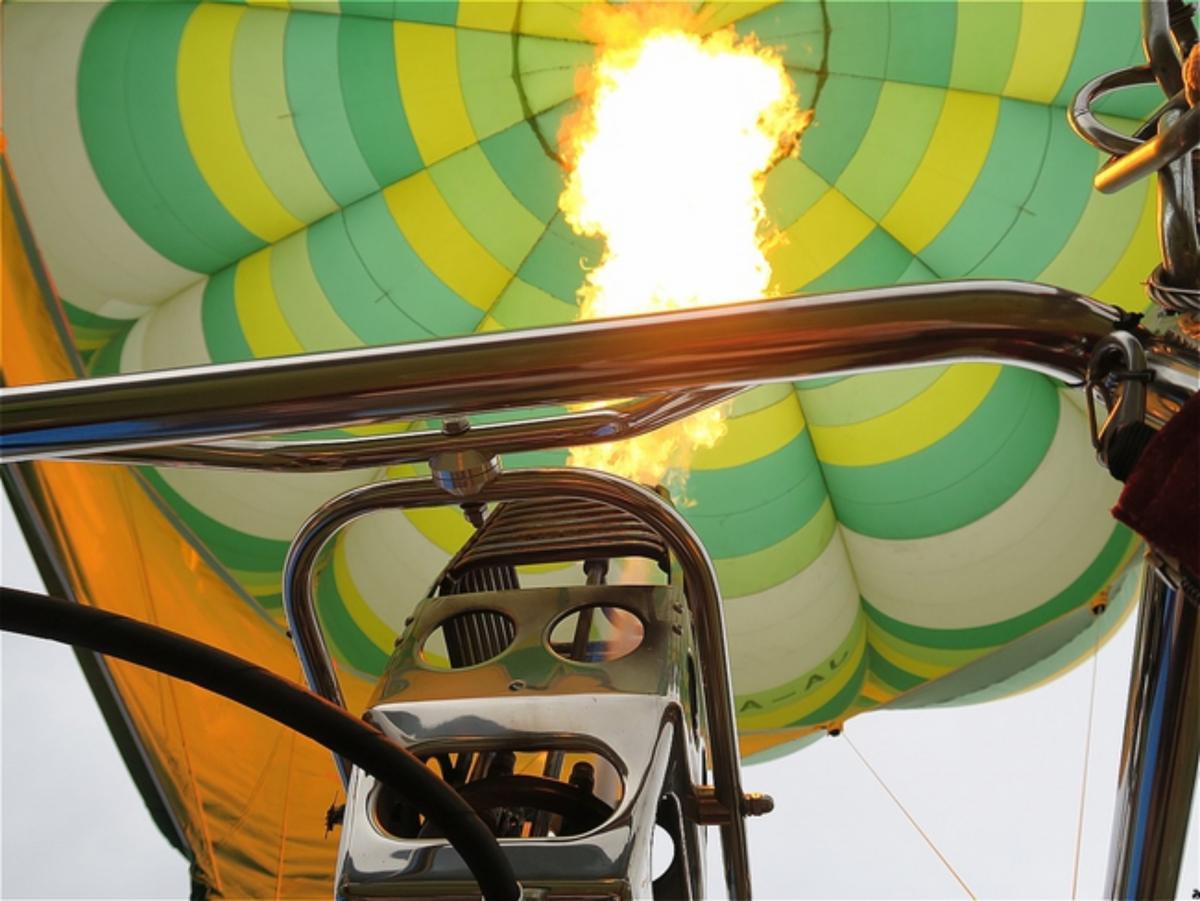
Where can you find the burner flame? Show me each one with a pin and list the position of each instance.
(667, 159)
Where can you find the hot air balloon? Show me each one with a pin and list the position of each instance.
(207, 183)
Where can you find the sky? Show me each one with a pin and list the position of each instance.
(995, 787)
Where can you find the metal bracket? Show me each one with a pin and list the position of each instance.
(1119, 373)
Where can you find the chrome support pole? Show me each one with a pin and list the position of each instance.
(1162, 741)
(1034, 326)
(700, 583)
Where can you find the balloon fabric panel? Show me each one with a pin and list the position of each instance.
(211, 182)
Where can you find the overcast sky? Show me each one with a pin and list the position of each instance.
(996, 787)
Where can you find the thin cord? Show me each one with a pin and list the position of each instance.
(1087, 754)
(903, 810)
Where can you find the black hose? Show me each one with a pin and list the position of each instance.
(281, 700)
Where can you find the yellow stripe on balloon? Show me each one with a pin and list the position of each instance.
(444, 526)
(955, 154)
(258, 312)
(1045, 49)
(1123, 286)
(550, 20)
(379, 632)
(806, 703)
(499, 15)
(443, 243)
(427, 71)
(908, 658)
(271, 4)
(818, 240)
(754, 435)
(205, 91)
(927, 418)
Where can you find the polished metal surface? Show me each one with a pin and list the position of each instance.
(1180, 135)
(1161, 744)
(528, 698)
(1024, 324)
(700, 587)
(1165, 144)
(611, 862)
(617, 422)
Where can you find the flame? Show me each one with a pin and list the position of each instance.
(667, 159)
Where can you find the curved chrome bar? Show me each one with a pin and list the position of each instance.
(1087, 124)
(700, 583)
(616, 423)
(1020, 323)
(1171, 143)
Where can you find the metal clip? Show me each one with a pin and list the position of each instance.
(1118, 371)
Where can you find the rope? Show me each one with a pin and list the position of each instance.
(911, 819)
(1087, 755)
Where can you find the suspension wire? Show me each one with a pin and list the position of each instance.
(1087, 755)
(910, 817)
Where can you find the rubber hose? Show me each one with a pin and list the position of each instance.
(280, 699)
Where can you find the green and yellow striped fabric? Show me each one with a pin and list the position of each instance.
(212, 182)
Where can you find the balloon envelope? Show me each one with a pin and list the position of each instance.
(208, 182)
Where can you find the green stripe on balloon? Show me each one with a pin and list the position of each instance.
(129, 116)
(759, 571)
(218, 316)
(309, 314)
(795, 30)
(409, 302)
(962, 477)
(920, 41)
(894, 677)
(878, 259)
(1105, 228)
(486, 207)
(848, 653)
(1111, 557)
(315, 96)
(485, 72)
(1049, 213)
(264, 118)
(858, 39)
(107, 359)
(837, 706)
(791, 189)
(557, 262)
(371, 98)
(353, 648)
(1109, 38)
(845, 111)
(748, 508)
(359, 256)
(521, 305)
(892, 147)
(532, 177)
(863, 397)
(992, 207)
(1120, 598)
(547, 68)
(234, 549)
(91, 330)
(984, 45)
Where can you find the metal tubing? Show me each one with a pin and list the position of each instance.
(1088, 126)
(1161, 745)
(1158, 42)
(1150, 156)
(700, 582)
(616, 423)
(1020, 323)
